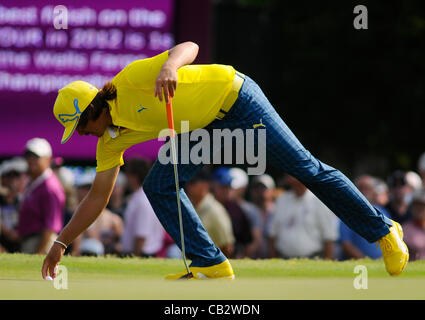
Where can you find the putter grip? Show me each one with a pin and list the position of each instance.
(170, 117)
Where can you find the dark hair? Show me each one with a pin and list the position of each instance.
(108, 92)
(138, 167)
(203, 175)
(397, 178)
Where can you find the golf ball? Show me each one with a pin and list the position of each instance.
(49, 278)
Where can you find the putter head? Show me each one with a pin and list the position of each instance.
(187, 276)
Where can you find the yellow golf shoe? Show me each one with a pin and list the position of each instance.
(394, 250)
(219, 271)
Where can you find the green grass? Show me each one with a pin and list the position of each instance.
(135, 278)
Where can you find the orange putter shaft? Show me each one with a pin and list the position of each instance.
(170, 117)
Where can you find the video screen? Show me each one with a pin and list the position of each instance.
(43, 47)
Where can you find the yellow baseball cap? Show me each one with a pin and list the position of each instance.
(71, 101)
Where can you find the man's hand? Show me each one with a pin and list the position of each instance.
(178, 56)
(166, 81)
(87, 212)
(52, 260)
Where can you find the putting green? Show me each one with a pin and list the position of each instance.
(136, 278)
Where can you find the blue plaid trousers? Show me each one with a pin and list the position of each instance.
(284, 151)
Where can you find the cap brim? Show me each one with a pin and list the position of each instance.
(68, 132)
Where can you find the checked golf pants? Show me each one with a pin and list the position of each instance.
(284, 151)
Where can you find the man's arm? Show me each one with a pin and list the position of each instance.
(86, 213)
(91, 206)
(179, 56)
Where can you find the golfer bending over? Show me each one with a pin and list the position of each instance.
(131, 110)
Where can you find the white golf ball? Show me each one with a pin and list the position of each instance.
(49, 278)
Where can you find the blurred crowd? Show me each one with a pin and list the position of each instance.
(247, 217)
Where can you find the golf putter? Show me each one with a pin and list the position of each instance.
(176, 179)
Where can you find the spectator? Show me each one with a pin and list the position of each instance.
(104, 233)
(213, 215)
(414, 180)
(261, 193)
(241, 226)
(302, 226)
(280, 187)
(373, 189)
(143, 234)
(239, 183)
(381, 193)
(13, 178)
(169, 248)
(414, 230)
(42, 209)
(399, 197)
(366, 185)
(117, 203)
(353, 245)
(67, 179)
(421, 168)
